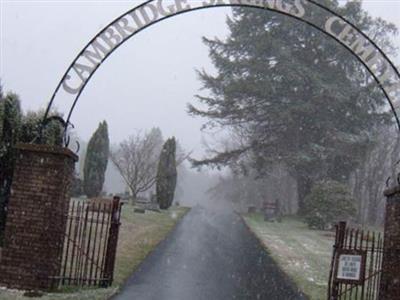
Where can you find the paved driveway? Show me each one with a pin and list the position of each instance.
(209, 256)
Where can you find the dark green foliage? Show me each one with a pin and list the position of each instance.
(76, 186)
(29, 131)
(96, 161)
(292, 95)
(10, 121)
(166, 174)
(15, 127)
(10, 124)
(328, 203)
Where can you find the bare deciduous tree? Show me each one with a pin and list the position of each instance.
(136, 160)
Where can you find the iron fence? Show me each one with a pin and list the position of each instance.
(90, 244)
(369, 246)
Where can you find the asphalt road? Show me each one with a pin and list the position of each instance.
(211, 256)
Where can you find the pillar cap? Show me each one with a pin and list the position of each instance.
(391, 191)
(47, 149)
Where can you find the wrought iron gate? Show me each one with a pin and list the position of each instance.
(90, 244)
(369, 246)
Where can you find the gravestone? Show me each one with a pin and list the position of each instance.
(272, 212)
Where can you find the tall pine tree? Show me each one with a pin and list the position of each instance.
(96, 160)
(292, 95)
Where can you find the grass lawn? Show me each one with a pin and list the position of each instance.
(303, 254)
(139, 235)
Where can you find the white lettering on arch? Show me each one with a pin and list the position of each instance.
(130, 23)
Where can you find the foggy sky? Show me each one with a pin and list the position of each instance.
(145, 83)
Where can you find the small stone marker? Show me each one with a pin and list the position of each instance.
(272, 211)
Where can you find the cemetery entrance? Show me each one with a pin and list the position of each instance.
(87, 249)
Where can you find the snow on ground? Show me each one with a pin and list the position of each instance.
(304, 254)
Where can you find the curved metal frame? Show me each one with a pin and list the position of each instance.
(380, 84)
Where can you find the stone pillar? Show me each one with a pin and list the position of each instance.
(37, 215)
(390, 281)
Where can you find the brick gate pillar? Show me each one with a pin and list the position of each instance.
(390, 281)
(36, 218)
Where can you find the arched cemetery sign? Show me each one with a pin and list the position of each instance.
(153, 11)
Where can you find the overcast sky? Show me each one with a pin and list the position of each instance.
(145, 83)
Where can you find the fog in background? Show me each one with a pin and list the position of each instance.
(146, 83)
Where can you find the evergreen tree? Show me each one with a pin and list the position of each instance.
(96, 160)
(1, 107)
(292, 95)
(10, 121)
(15, 127)
(76, 186)
(166, 174)
(52, 134)
(328, 203)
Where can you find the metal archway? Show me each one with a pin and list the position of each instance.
(100, 47)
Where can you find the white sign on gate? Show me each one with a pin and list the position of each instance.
(349, 267)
